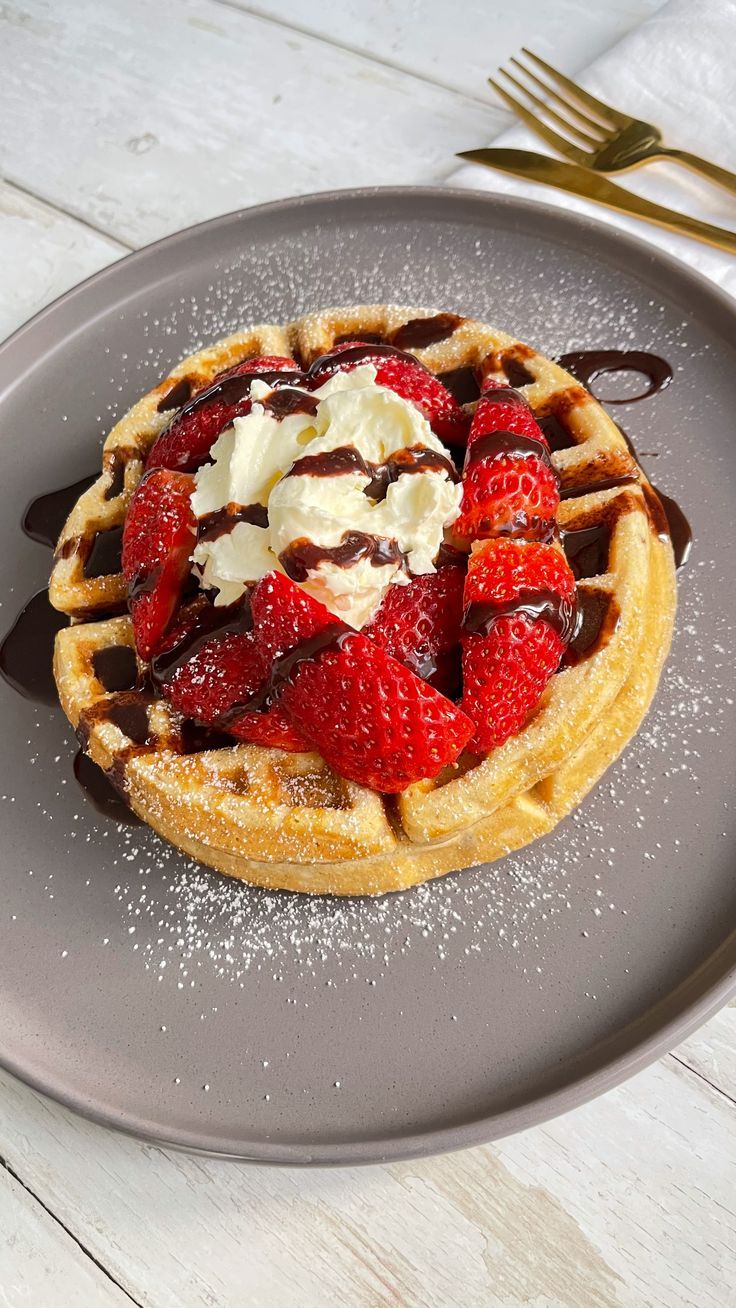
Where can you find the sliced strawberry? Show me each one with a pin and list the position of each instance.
(404, 375)
(189, 437)
(519, 616)
(508, 488)
(158, 538)
(272, 726)
(372, 719)
(206, 677)
(419, 625)
(369, 717)
(285, 616)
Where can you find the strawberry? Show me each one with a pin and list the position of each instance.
(189, 437)
(404, 375)
(508, 488)
(419, 625)
(158, 538)
(222, 672)
(369, 717)
(519, 616)
(272, 727)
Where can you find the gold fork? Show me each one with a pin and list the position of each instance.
(612, 141)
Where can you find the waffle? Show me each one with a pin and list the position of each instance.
(287, 820)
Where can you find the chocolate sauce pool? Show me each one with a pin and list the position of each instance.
(586, 366)
(27, 649)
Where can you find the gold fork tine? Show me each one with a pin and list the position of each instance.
(592, 124)
(564, 123)
(614, 116)
(554, 139)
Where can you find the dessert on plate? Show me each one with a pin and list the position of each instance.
(361, 600)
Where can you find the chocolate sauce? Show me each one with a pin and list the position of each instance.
(101, 792)
(72, 545)
(506, 395)
(586, 549)
(418, 333)
(178, 395)
(356, 354)
(588, 365)
(559, 437)
(346, 458)
(45, 516)
(233, 390)
(678, 527)
(105, 556)
(144, 582)
(195, 738)
(462, 383)
(221, 521)
(598, 618)
(127, 710)
(516, 371)
(496, 443)
(287, 400)
(560, 613)
(115, 667)
(116, 465)
(209, 622)
(407, 461)
(367, 338)
(27, 652)
(282, 670)
(605, 483)
(304, 556)
(330, 463)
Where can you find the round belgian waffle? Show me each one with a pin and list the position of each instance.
(287, 820)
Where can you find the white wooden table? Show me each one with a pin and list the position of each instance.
(121, 121)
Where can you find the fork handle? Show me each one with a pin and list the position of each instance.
(712, 171)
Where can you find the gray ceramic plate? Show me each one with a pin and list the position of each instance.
(157, 997)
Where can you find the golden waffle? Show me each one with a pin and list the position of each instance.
(287, 820)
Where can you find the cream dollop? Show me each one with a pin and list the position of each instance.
(251, 465)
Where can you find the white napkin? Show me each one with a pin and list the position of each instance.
(678, 71)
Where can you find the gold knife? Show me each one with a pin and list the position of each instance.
(534, 167)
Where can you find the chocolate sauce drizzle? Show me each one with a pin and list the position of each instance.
(221, 521)
(45, 516)
(115, 667)
(602, 484)
(597, 619)
(176, 397)
(127, 710)
(105, 557)
(587, 549)
(303, 556)
(588, 365)
(497, 443)
(418, 333)
(516, 371)
(333, 636)
(560, 613)
(209, 622)
(462, 383)
(346, 458)
(26, 653)
(287, 400)
(233, 390)
(101, 792)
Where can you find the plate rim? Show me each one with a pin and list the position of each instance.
(580, 1089)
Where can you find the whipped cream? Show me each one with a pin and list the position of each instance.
(253, 462)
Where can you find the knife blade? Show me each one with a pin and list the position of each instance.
(574, 178)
